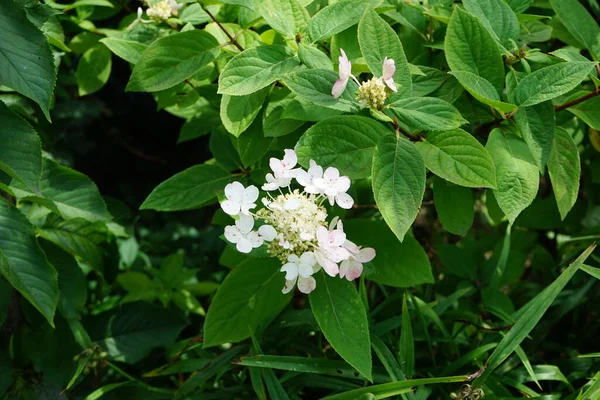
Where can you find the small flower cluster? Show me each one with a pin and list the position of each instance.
(157, 12)
(295, 223)
(372, 93)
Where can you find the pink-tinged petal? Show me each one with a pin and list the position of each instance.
(250, 194)
(308, 258)
(365, 255)
(338, 254)
(291, 271)
(391, 84)
(337, 238)
(232, 234)
(277, 166)
(306, 285)
(289, 286)
(344, 266)
(290, 159)
(231, 207)
(354, 270)
(244, 245)
(351, 247)
(344, 66)
(331, 173)
(322, 235)
(329, 266)
(338, 87)
(255, 239)
(389, 68)
(245, 223)
(342, 184)
(267, 232)
(344, 200)
(305, 270)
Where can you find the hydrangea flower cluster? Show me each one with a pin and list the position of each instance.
(157, 12)
(295, 226)
(372, 93)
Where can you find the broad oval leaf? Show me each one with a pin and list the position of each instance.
(171, 60)
(250, 296)
(377, 41)
(516, 173)
(336, 18)
(427, 113)
(482, 90)
(128, 50)
(342, 318)
(454, 205)
(24, 265)
(188, 189)
(93, 69)
(238, 112)
(256, 68)
(564, 168)
(398, 182)
(537, 125)
(287, 17)
(312, 57)
(497, 17)
(459, 158)
(345, 142)
(579, 23)
(550, 82)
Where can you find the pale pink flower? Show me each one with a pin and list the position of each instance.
(330, 251)
(389, 69)
(352, 267)
(345, 71)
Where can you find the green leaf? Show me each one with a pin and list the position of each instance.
(588, 111)
(252, 145)
(459, 158)
(483, 90)
(314, 86)
(238, 112)
(21, 150)
(407, 345)
(377, 41)
(346, 142)
(336, 18)
(516, 173)
(427, 113)
(302, 110)
(519, 6)
(26, 62)
(256, 68)
(93, 69)
(342, 318)
(550, 82)
(273, 124)
(579, 23)
(529, 315)
(497, 17)
(5, 299)
(397, 264)
(470, 48)
(171, 60)
(249, 297)
(387, 359)
(287, 17)
(398, 182)
(564, 167)
(188, 189)
(73, 194)
(314, 58)
(454, 205)
(537, 125)
(129, 333)
(128, 50)
(24, 265)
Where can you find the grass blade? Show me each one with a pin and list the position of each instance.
(407, 344)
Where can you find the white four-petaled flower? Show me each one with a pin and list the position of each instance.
(242, 235)
(300, 270)
(239, 199)
(352, 267)
(283, 171)
(335, 187)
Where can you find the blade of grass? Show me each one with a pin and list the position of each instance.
(470, 356)
(407, 344)
(502, 261)
(595, 272)
(389, 362)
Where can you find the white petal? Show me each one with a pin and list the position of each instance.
(351, 247)
(255, 239)
(342, 184)
(331, 173)
(277, 166)
(306, 285)
(267, 232)
(320, 183)
(246, 207)
(322, 235)
(231, 207)
(315, 171)
(244, 245)
(250, 194)
(365, 255)
(389, 68)
(245, 223)
(293, 259)
(338, 87)
(344, 200)
(305, 270)
(306, 236)
(344, 67)
(337, 238)
(291, 271)
(308, 258)
(270, 187)
(331, 200)
(333, 223)
(338, 254)
(329, 266)
(289, 286)
(232, 233)
(391, 84)
(290, 159)
(234, 191)
(303, 178)
(292, 204)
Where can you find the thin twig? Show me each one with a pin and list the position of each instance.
(577, 101)
(231, 38)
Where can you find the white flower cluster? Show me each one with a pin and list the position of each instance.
(162, 10)
(295, 223)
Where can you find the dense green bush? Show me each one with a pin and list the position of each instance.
(457, 141)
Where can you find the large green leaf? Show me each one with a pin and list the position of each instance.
(498, 18)
(249, 297)
(252, 144)
(336, 18)
(550, 82)
(516, 173)
(73, 194)
(459, 158)
(454, 206)
(519, 6)
(397, 264)
(398, 182)
(588, 111)
(287, 17)
(345, 142)
(188, 189)
(128, 50)
(482, 90)
(470, 48)
(342, 318)
(565, 169)
(579, 23)
(130, 332)
(256, 68)
(21, 150)
(26, 62)
(427, 113)
(377, 41)
(93, 69)
(172, 59)
(238, 112)
(314, 86)
(24, 265)
(536, 124)
(273, 123)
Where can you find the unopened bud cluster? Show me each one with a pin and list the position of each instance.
(372, 93)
